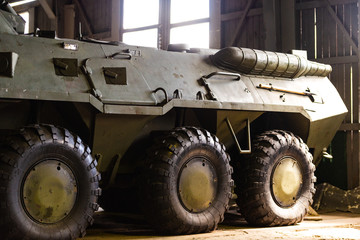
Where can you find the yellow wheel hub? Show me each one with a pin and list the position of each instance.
(197, 185)
(286, 181)
(49, 191)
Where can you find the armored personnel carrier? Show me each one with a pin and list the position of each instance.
(164, 123)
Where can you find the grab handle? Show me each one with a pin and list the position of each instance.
(235, 75)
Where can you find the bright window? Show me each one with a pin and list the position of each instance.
(187, 10)
(141, 22)
(146, 38)
(182, 21)
(26, 17)
(140, 13)
(197, 35)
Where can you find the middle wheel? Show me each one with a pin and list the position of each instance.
(187, 182)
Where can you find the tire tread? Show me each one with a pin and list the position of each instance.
(161, 159)
(250, 179)
(14, 149)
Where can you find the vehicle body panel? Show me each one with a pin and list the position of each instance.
(131, 102)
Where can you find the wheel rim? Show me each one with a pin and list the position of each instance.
(49, 191)
(286, 181)
(197, 184)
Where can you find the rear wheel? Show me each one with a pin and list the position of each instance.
(187, 184)
(49, 185)
(275, 184)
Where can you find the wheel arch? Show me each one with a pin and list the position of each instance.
(76, 117)
(292, 122)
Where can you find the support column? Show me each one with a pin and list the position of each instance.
(215, 24)
(164, 26)
(288, 40)
(272, 25)
(69, 21)
(115, 20)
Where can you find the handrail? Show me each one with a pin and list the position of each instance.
(236, 75)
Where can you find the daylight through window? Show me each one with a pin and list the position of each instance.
(156, 23)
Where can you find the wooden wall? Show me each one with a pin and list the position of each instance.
(251, 33)
(267, 25)
(329, 31)
(94, 16)
(99, 14)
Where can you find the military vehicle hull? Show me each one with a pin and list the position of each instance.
(165, 123)
(172, 71)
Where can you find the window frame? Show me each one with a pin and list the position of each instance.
(164, 26)
(30, 23)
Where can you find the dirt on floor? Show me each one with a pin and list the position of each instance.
(334, 225)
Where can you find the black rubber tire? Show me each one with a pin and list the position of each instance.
(29, 147)
(253, 180)
(159, 192)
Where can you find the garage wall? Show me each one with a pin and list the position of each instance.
(94, 16)
(328, 30)
(240, 30)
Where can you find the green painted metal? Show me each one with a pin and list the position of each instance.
(112, 89)
(118, 97)
(9, 21)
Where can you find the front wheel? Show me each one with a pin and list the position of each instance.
(187, 182)
(48, 185)
(275, 184)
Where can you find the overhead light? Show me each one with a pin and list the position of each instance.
(18, 3)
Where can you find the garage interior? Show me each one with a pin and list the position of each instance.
(327, 29)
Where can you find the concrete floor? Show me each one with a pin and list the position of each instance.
(335, 225)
